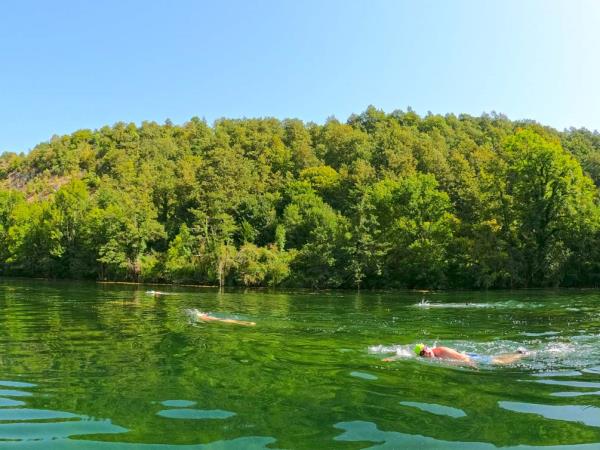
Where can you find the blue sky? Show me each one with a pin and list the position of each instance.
(67, 65)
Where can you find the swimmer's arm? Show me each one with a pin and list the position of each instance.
(448, 353)
(208, 318)
(239, 322)
(391, 358)
(205, 317)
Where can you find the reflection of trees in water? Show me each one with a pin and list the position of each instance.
(115, 353)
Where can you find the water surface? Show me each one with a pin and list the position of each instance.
(126, 367)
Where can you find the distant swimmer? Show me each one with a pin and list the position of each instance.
(207, 317)
(157, 293)
(448, 353)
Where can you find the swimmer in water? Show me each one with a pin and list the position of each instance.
(206, 317)
(157, 293)
(467, 358)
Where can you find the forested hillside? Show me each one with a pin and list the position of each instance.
(381, 201)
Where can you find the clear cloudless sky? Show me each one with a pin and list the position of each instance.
(67, 65)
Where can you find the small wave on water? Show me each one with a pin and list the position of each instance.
(191, 314)
(159, 293)
(402, 351)
(541, 334)
(507, 304)
(364, 431)
(46, 429)
(427, 304)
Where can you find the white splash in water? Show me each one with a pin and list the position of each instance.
(402, 351)
(580, 352)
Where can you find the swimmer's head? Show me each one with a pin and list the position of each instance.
(418, 349)
(424, 350)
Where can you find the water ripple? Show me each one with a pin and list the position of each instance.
(196, 414)
(587, 415)
(434, 408)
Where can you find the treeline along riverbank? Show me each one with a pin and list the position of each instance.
(382, 200)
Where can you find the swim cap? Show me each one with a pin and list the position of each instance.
(418, 349)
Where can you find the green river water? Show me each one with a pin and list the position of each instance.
(91, 366)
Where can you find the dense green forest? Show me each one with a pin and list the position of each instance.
(380, 201)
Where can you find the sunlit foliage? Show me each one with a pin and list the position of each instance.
(382, 200)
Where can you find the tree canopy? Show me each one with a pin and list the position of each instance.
(382, 200)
